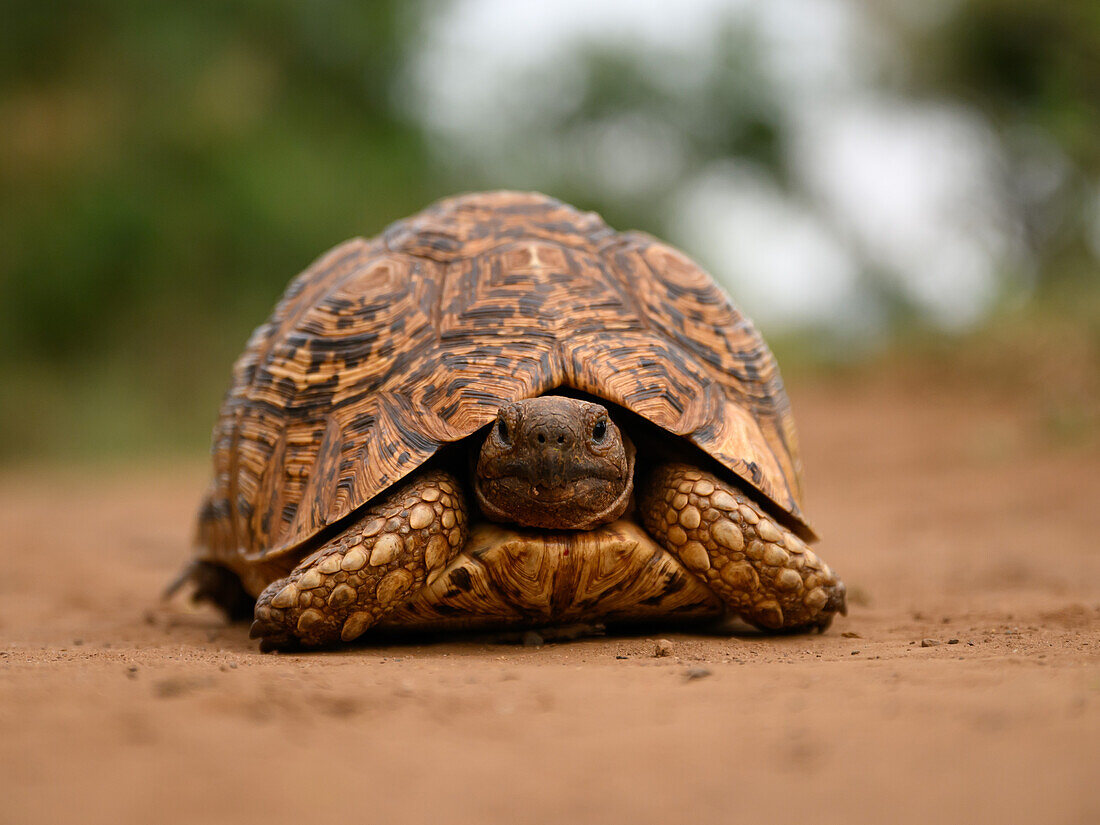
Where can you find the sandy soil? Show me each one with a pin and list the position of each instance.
(951, 518)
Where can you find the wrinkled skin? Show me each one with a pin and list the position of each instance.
(554, 463)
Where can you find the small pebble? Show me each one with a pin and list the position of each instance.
(662, 648)
(855, 652)
(622, 657)
(929, 642)
(952, 641)
(851, 634)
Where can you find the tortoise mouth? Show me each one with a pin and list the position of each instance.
(579, 505)
(553, 494)
(582, 504)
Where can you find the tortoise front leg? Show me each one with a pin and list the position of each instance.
(763, 572)
(368, 570)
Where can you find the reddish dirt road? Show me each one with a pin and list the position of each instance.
(950, 517)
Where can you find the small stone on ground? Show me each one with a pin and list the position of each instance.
(662, 648)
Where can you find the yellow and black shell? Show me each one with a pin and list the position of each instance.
(384, 350)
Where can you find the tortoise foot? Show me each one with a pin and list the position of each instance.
(763, 572)
(373, 567)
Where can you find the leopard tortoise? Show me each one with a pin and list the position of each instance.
(502, 413)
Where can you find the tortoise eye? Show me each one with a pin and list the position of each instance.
(600, 430)
(502, 429)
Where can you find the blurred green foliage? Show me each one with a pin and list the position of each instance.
(1025, 64)
(165, 168)
(1033, 69)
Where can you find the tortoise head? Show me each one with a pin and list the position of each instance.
(556, 463)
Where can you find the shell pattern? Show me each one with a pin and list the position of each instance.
(383, 350)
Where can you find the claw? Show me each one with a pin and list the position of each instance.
(261, 629)
(272, 636)
(840, 599)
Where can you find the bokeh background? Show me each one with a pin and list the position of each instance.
(876, 183)
(904, 195)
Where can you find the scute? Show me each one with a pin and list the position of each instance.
(383, 350)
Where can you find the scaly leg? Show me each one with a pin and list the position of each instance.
(763, 572)
(374, 566)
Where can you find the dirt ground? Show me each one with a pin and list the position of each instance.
(953, 518)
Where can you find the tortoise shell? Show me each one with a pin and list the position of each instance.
(385, 349)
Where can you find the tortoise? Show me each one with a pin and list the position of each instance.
(502, 413)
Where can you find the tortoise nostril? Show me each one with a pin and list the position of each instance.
(551, 435)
